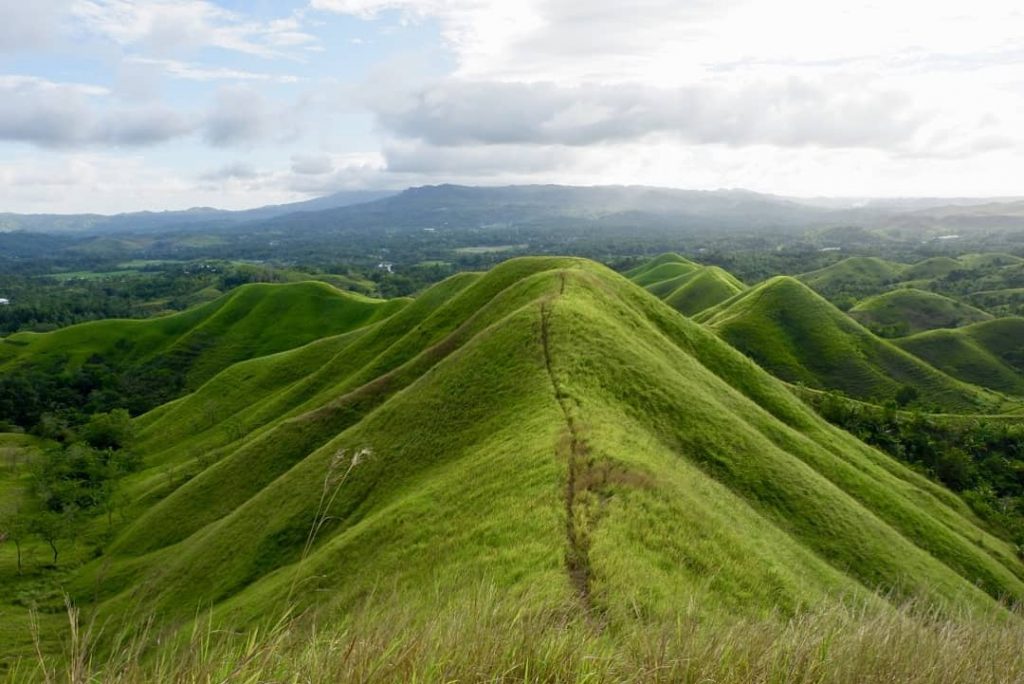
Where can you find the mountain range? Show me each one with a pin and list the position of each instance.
(478, 207)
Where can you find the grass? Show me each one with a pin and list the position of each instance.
(252, 320)
(860, 277)
(550, 474)
(802, 338)
(687, 287)
(385, 639)
(907, 311)
(988, 354)
(855, 275)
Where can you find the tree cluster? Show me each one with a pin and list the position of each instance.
(982, 460)
(72, 481)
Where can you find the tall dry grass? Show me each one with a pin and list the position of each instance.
(488, 637)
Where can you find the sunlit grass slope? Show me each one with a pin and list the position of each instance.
(685, 286)
(985, 280)
(661, 269)
(989, 354)
(907, 311)
(856, 275)
(252, 320)
(800, 337)
(549, 429)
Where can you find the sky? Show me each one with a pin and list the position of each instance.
(122, 105)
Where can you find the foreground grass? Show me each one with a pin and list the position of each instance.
(489, 636)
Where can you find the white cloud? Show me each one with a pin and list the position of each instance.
(52, 114)
(29, 25)
(198, 72)
(244, 115)
(174, 26)
(312, 164)
(917, 83)
(790, 112)
(238, 169)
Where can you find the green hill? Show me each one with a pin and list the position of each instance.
(988, 354)
(662, 268)
(179, 352)
(703, 290)
(935, 267)
(547, 429)
(856, 276)
(800, 337)
(990, 281)
(684, 285)
(907, 311)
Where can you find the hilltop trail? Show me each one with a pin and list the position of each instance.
(577, 555)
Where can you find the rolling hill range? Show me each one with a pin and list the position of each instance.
(800, 337)
(684, 285)
(991, 281)
(548, 428)
(859, 276)
(179, 352)
(906, 311)
(988, 354)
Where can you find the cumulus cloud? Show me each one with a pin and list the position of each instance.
(239, 115)
(64, 115)
(173, 26)
(29, 25)
(790, 113)
(198, 72)
(909, 78)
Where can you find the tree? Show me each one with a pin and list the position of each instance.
(14, 527)
(113, 430)
(906, 394)
(53, 527)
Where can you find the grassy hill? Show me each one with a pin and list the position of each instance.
(988, 354)
(800, 337)
(548, 430)
(662, 269)
(907, 311)
(857, 276)
(184, 350)
(684, 285)
(991, 281)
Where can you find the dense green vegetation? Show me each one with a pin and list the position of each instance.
(990, 281)
(546, 456)
(139, 364)
(48, 299)
(981, 458)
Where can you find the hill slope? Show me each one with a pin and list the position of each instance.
(549, 429)
(989, 354)
(907, 311)
(181, 351)
(857, 276)
(684, 285)
(800, 337)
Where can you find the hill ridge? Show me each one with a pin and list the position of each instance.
(550, 428)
